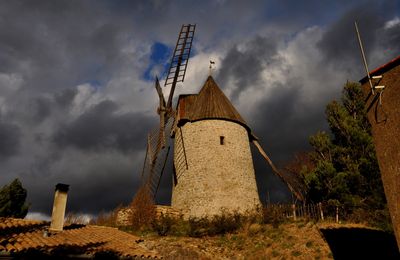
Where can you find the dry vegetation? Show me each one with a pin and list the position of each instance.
(271, 233)
(264, 235)
(106, 218)
(298, 240)
(143, 210)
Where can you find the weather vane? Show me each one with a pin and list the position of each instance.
(210, 67)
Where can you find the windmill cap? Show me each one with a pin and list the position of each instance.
(210, 103)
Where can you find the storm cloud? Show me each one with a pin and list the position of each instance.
(9, 140)
(77, 97)
(245, 66)
(101, 127)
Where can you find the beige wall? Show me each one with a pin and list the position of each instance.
(218, 176)
(57, 217)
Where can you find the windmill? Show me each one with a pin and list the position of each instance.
(213, 165)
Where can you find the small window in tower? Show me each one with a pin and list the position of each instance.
(222, 140)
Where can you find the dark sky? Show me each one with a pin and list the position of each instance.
(76, 82)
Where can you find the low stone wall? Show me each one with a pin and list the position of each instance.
(168, 211)
(124, 215)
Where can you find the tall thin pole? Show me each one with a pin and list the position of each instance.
(363, 57)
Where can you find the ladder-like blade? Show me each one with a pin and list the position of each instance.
(156, 157)
(180, 59)
(180, 159)
(298, 195)
(161, 173)
(162, 112)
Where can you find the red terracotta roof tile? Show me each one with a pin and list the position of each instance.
(88, 239)
(383, 68)
(12, 223)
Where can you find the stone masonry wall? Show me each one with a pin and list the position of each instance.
(124, 215)
(219, 176)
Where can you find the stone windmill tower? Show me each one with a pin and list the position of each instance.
(212, 157)
(213, 166)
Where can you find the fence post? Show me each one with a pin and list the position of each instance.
(294, 211)
(321, 212)
(301, 214)
(337, 214)
(313, 212)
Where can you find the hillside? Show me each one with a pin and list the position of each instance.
(298, 240)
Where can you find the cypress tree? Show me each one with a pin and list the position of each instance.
(12, 200)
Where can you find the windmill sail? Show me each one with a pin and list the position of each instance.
(181, 163)
(156, 157)
(158, 146)
(180, 59)
(288, 180)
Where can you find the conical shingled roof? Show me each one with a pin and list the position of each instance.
(211, 103)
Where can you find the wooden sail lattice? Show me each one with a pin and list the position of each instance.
(180, 159)
(180, 58)
(158, 146)
(156, 157)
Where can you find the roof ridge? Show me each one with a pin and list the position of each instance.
(383, 68)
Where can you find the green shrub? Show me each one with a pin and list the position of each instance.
(217, 225)
(163, 224)
(225, 223)
(198, 227)
(273, 215)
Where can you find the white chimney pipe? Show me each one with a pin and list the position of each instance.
(60, 203)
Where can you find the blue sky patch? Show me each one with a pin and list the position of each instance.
(159, 61)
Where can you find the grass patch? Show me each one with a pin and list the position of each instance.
(296, 253)
(275, 253)
(301, 224)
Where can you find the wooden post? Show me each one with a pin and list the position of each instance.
(337, 214)
(294, 211)
(320, 211)
(300, 211)
(313, 211)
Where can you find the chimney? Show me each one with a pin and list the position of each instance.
(60, 203)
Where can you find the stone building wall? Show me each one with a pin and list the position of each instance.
(218, 176)
(385, 121)
(124, 215)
